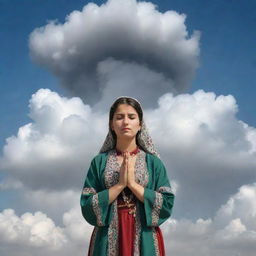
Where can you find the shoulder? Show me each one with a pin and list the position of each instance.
(99, 160)
(156, 165)
(154, 161)
(100, 156)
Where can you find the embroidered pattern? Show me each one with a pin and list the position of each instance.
(136, 241)
(111, 172)
(155, 242)
(93, 239)
(87, 191)
(96, 209)
(113, 246)
(111, 177)
(144, 139)
(165, 189)
(141, 171)
(156, 208)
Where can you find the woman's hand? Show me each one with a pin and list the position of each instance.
(130, 171)
(137, 189)
(123, 171)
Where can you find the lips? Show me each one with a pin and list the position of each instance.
(126, 129)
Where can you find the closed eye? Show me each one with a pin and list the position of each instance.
(132, 116)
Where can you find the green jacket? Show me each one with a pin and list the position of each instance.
(157, 208)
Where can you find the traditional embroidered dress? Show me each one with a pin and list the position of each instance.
(108, 236)
(116, 231)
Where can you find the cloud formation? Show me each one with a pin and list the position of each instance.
(230, 232)
(50, 167)
(208, 151)
(37, 234)
(57, 146)
(103, 43)
(125, 47)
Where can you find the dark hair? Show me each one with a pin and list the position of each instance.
(129, 101)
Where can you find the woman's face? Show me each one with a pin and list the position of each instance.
(125, 122)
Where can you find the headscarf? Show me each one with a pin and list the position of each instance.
(144, 141)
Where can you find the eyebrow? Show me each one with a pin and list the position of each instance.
(124, 114)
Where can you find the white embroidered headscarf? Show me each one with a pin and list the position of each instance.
(144, 140)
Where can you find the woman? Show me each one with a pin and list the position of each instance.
(127, 194)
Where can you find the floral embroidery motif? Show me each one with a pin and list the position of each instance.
(93, 239)
(96, 209)
(111, 177)
(156, 242)
(165, 189)
(141, 171)
(111, 173)
(156, 208)
(136, 241)
(113, 246)
(87, 191)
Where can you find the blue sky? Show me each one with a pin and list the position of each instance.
(209, 152)
(227, 58)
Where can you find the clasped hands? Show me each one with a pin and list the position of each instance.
(126, 174)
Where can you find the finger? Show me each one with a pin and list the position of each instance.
(127, 161)
(125, 158)
(124, 162)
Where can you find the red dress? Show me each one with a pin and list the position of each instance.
(126, 232)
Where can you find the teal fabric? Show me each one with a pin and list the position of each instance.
(157, 178)
(94, 180)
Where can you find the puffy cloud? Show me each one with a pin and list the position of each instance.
(240, 207)
(128, 48)
(51, 154)
(31, 230)
(37, 234)
(53, 151)
(208, 151)
(232, 231)
(99, 45)
(229, 232)
(78, 230)
(121, 78)
(54, 203)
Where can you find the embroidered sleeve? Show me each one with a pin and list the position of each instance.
(97, 210)
(156, 208)
(165, 189)
(95, 203)
(94, 200)
(158, 203)
(88, 191)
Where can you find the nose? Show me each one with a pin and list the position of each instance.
(126, 119)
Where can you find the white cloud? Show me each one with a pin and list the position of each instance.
(36, 234)
(32, 230)
(230, 232)
(55, 149)
(133, 34)
(240, 207)
(225, 234)
(78, 230)
(54, 203)
(128, 48)
(207, 150)
(52, 152)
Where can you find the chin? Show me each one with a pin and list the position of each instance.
(126, 136)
